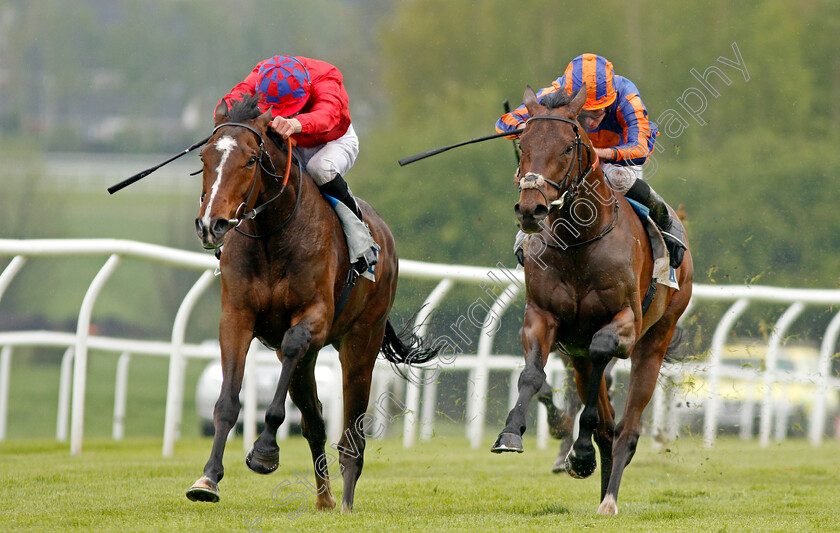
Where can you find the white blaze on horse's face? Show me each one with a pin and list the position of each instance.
(225, 145)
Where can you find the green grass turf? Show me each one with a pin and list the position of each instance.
(441, 485)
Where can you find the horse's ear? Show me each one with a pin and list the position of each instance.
(530, 100)
(578, 100)
(264, 120)
(221, 113)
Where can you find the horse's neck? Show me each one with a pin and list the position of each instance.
(589, 213)
(597, 189)
(297, 209)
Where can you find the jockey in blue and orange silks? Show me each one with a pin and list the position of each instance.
(618, 126)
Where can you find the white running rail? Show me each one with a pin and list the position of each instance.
(501, 287)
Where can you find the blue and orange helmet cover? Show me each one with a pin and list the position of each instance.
(597, 73)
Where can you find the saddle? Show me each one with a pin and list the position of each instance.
(663, 272)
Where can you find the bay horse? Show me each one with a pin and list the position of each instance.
(284, 267)
(586, 293)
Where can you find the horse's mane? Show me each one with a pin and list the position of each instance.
(557, 99)
(245, 109)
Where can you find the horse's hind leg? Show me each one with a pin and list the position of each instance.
(567, 418)
(537, 336)
(647, 360)
(304, 393)
(560, 424)
(358, 353)
(234, 337)
(264, 456)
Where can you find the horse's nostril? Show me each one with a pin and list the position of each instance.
(220, 226)
(540, 211)
(517, 210)
(199, 228)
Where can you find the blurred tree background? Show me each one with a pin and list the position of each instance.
(758, 178)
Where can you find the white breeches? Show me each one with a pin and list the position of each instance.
(621, 178)
(325, 161)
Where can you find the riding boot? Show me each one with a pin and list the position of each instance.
(671, 227)
(364, 252)
(338, 189)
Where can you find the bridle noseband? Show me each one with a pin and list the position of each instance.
(252, 214)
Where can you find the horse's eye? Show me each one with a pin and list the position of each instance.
(568, 150)
(251, 161)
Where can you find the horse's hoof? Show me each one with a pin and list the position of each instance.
(559, 465)
(580, 467)
(204, 490)
(508, 442)
(263, 463)
(608, 506)
(325, 502)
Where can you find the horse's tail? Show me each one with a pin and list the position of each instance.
(674, 352)
(406, 347)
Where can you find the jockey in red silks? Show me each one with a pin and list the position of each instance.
(308, 101)
(618, 126)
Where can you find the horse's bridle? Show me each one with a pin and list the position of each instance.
(536, 181)
(252, 214)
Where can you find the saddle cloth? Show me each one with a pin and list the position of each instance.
(357, 235)
(662, 271)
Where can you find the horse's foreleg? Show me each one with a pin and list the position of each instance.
(606, 428)
(303, 391)
(264, 456)
(647, 360)
(234, 337)
(616, 338)
(537, 336)
(604, 435)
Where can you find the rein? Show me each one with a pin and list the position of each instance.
(352, 274)
(535, 181)
(252, 214)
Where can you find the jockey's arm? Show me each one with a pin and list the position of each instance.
(517, 118)
(632, 116)
(324, 113)
(607, 155)
(285, 127)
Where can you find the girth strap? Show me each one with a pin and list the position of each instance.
(352, 276)
(649, 295)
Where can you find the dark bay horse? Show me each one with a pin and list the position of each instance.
(585, 289)
(283, 270)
